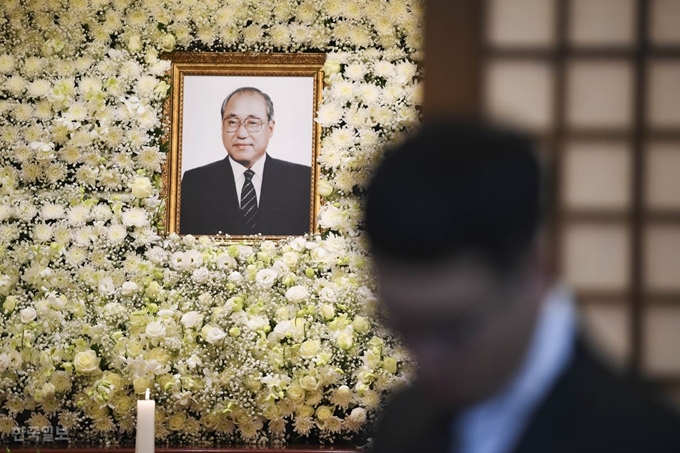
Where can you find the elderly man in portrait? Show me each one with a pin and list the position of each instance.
(247, 192)
(464, 275)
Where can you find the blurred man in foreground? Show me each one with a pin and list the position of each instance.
(454, 217)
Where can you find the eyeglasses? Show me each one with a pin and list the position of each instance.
(251, 124)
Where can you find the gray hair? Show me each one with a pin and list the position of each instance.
(251, 90)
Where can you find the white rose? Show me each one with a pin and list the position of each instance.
(214, 334)
(129, 288)
(290, 259)
(325, 188)
(4, 362)
(257, 323)
(327, 311)
(194, 361)
(331, 67)
(9, 304)
(235, 277)
(309, 383)
(344, 340)
(28, 315)
(167, 42)
(358, 415)
(331, 217)
(309, 349)
(327, 294)
(297, 294)
(191, 319)
(265, 278)
(155, 329)
(106, 286)
(360, 324)
(135, 43)
(141, 187)
(86, 361)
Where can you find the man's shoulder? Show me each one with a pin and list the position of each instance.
(593, 405)
(204, 170)
(287, 166)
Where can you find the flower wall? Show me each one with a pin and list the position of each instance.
(238, 342)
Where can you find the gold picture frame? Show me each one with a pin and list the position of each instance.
(201, 84)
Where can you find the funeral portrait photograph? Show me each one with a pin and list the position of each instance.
(246, 155)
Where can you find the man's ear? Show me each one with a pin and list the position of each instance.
(270, 126)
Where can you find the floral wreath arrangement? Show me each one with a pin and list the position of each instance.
(238, 342)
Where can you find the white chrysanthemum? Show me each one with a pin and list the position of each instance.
(343, 137)
(331, 156)
(34, 66)
(329, 115)
(38, 88)
(42, 232)
(102, 212)
(78, 215)
(7, 64)
(150, 159)
(343, 90)
(279, 35)
(23, 153)
(384, 69)
(15, 85)
(130, 69)
(145, 85)
(70, 154)
(134, 217)
(76, 112)
(116, 234)
(369, 93)
(52, 211)
(87, 175)
(75, 255)
(331, 217)
(355, 71)
(9, 134)
(62, 234)
(90, 85)
(26, 211)
(55, 172)
(303, 425)
(5, 106)
(391, 93)
(23, 112)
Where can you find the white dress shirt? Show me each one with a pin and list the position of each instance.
(495, 425)
(239, 178)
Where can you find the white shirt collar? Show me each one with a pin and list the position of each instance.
(507, 413)
(239, 178)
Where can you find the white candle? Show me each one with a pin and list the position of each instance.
(146, 424)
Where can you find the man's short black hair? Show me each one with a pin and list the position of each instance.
(463, 186)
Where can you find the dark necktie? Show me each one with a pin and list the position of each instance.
(249, 202)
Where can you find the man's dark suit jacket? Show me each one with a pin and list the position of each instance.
(209, 204)
(589, 410)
